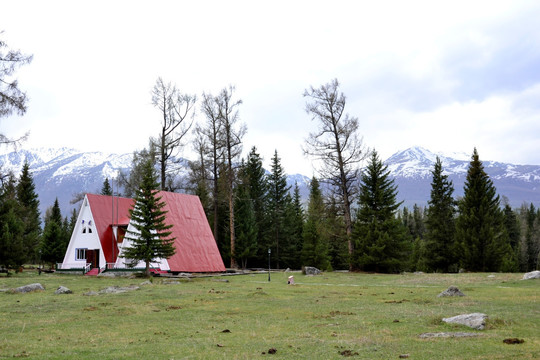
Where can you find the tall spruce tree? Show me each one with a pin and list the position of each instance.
(381, 239)
(53, 244)
(255, 178)
(337, 245)
(315, 246)
(29, 201)
(479, 226)
(440, 251)
(296, 220)
(278, 200)
(13, 252)
(246, 224)
(151, 239)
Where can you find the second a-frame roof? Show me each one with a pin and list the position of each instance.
(196, 249)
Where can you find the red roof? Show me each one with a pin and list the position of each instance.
(196, 248)
(102, 212)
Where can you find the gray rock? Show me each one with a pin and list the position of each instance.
(90, 293)
(147, 282)
(532, 275)
(63, 290)
(29, 288)
(447, 335)
(451, 291)
(491, 276)
(475, 320)
(310, 270)
(118, 289)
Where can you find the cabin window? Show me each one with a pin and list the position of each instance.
(84, 230)
(80, 254)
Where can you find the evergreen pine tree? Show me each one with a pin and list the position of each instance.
(28, 199)
(511, 225)
(278, 200)
(246, 227)
(13, 252)
(106, 188)
(479, 226)
(381, 239)
(315, 246)
(296, 218)
(53, 244)
(151, 240)
(440, 251)
(255, 178)
(337, 236)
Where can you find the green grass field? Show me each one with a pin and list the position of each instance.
(332, 316)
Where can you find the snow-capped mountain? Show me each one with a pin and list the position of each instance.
(61, 173)
(412, 171)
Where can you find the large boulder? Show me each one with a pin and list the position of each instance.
(532, 275)
(310, 270)
(475, 320)
(451, 291)
(29, 288)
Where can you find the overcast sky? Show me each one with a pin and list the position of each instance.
(448, 76)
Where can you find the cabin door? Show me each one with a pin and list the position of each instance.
(92, 258)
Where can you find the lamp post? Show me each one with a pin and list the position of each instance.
(269, 252)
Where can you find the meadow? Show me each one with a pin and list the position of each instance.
(330, 316)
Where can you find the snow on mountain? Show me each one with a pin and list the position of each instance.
(62, 172)
(412, 171)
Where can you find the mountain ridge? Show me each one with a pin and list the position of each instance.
(63, 172)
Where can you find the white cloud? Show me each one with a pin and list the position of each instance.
(446, 76)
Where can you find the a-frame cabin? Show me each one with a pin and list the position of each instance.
(98, 236)
(100, 228)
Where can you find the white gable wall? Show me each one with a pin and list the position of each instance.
(80, 240)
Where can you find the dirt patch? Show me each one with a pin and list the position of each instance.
(347, 353)
(511, 341)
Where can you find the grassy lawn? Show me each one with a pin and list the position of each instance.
(332, 316)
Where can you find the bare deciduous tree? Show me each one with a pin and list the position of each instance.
(210, 132)
(231, 136)
(177, 110)
(336, 145)
(11, 97)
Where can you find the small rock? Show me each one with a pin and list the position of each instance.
(147, 282)
(310, 270)
(446, 335)
(475, 320)
(532, 275)
(226, 331)
(90, 293)
(403, 356)
(63, 290)
(272, 351)
(118, 289)
(491, 276)
(451, 291)
(29, 288)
